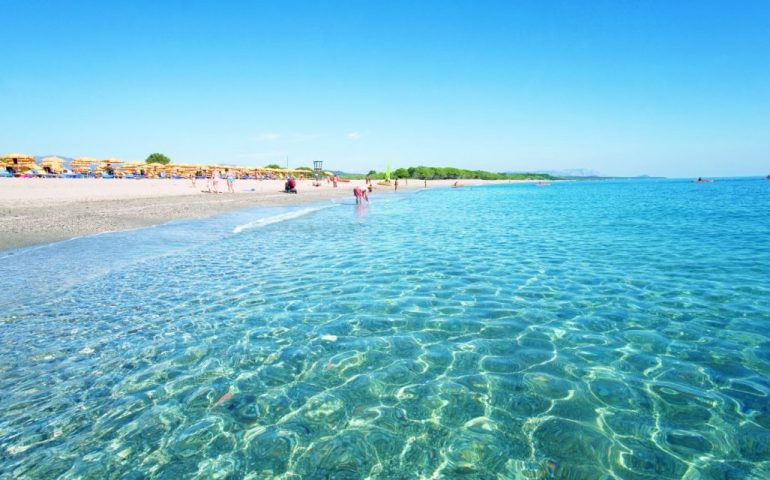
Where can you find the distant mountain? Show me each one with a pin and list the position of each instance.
(586, 174)
(67, 160)
(40, 157)
(572, 172)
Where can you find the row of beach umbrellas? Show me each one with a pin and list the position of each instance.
(23, 163)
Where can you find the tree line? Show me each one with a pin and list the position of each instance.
(451, 173)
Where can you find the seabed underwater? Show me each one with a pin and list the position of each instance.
(589, 330)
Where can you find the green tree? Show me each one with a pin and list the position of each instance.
(158, 158)
(451, 172)
(372, 172)
(438, 173)
(304, 168)
(272, 165)
(423, 173)
(401, 173)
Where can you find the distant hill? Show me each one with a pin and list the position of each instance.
(572, 172)
(67, 160)
(588, 174)
(447, 173)
(638, 177)
(40, 157)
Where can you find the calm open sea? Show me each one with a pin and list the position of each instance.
(587, 330)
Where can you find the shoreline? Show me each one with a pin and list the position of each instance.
(38, 211)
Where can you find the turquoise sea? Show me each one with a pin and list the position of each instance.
(586, 330)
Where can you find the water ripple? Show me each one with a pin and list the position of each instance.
(588, 330)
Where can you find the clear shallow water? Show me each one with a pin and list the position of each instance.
(579, 331)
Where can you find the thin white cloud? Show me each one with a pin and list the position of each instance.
(355, 136)
(306, 137)
(261, 155)
(268, 137)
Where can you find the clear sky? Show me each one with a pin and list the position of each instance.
(672, 88)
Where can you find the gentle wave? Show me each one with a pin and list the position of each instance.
(262, 222)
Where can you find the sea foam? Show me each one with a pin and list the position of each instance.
(264, 221)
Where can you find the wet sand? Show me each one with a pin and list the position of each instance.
(35, 210)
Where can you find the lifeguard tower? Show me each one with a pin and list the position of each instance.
(318, 172)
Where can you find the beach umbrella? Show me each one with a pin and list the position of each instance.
(182, 168)
(127, 166)
(19, 161)
(83, 164)
(54, 164)
(152, 169)
(109, 164)
(15, 158)
(130, 167)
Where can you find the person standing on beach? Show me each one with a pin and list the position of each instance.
(215, 176)
(230, 180)
(334, 181)
(395, 184)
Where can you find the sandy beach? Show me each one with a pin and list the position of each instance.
(35, 210)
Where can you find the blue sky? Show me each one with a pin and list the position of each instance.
(621, 87)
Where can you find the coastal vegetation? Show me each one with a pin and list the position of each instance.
(158, 158)
(272, 165)
(451, 173)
